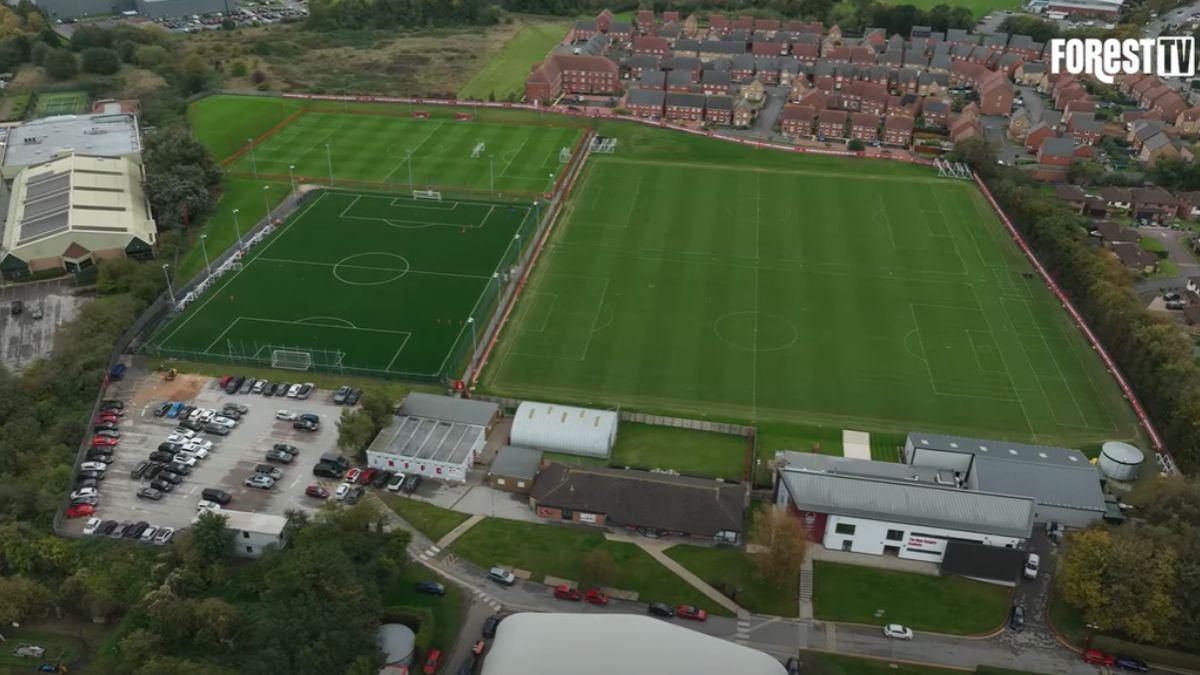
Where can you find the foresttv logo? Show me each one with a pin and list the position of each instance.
(1105, 59)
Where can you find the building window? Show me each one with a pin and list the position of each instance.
(250, 550)
(895, 535)
(844, 528)
(500, 481)
(245, 534)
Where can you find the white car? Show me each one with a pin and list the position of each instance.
(395, 483)
(341, 491)
(92, 524)
(1031, 566)
(285, 415)
(177, 438)
(93, 466)
(196, 452)
(198, 444)
(205, 505)
(164, 536)
(185, 432)
(260, 481)
(293, 390)
(898, 632)
(85, 492)
(226, 422)
(148, 534)
(185, 459)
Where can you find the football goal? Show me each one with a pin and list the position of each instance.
(564, 156)
(478, 151)
(427, 194)
(605, 145)
(291, 359)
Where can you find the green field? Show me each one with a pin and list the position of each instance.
(505, 73)
(60, 103)
(695, 453)
(368, 283)
(432, 521)
(732, 572)
(701, 278)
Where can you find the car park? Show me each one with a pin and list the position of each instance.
(660, 609)
(395, 482)
(149, 493)
(429, 587)
(260, 481)
(566, 592)
(898, 632)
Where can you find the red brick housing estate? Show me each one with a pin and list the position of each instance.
(572, 74)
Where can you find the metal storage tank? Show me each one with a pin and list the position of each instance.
(1120, 461)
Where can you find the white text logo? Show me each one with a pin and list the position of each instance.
(1105, 59)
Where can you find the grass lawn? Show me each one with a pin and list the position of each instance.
(447, 609)
(732, 572)
(978, 7)
(249, 198)
(318, 282)
(560, 551)
(924, 603)
(700, 278)
(432, 521)
(504, 74)
(821, 663)
(1152, 244)
(60, 646)
(694, 453)
(1167, 269)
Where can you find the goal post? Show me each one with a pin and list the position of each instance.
(433, 195)
(478, 150)
(604, 145)
(291, 359)
(564, 156)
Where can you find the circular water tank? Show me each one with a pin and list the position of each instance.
(396, 641)
(1120, 461)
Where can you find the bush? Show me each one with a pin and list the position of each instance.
(100, 60)
(60, 64)
(856, 145)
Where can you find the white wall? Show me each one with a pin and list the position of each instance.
(916, 542)
(427, 468)
(248, 544)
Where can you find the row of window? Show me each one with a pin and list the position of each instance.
(849, 530)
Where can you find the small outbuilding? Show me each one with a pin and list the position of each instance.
(434, 436)
(253, 533)
(566, 429)
(514, 469)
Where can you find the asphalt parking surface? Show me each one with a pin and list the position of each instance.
(228, 464)
(24, 339)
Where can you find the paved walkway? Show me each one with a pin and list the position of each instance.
(656, 550)
(457, 532)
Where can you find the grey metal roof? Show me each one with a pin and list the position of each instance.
(448, 409)
(429, 439)
(910, 503)
(106, 135)
(516, 461)
(1052, 476)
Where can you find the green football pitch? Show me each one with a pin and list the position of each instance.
(374, 284)
(698, 278)
(371, 149)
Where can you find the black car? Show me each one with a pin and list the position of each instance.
(247, 385)
(1130, 663)
(106, 528)
(162, 409)
(284, 447)
(269, 389)
(279, 457)
(238, 407)
(90, 501)
(355, 494)
(339, 396)
(179, 468)
(149, 493)
(119, 530)
(170, 448)
(216, 429)
(234, 384)
(104, 426)
(100, 457)
(281, 390)
(162, 485)
(353, 396)
(305, 391)
(153, 470)
(94, 453)
(304, 425)
(660, 609)
(381, 479)
(135, 531)
(86, 483)
(232, 414)
(310, 417)
(194, 425)
(410, 483)
(1016, 618)
(430, 587)
(139, 470)
(84, 475)
(170, 476)
(160, 456)
(112, 403)
(490, 624)
(214, 495)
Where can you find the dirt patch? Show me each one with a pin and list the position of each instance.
(183, 388)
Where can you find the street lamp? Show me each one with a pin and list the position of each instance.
(253, 161)
(170, 289)
(329, 163)
(492, 173)
(267, 202)
(292, 175)
(237, 229)
(474, 346)
(204, 248)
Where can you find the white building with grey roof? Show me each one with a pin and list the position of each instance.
(40, 140)
(434, 436)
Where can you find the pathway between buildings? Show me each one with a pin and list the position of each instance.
(657, 549)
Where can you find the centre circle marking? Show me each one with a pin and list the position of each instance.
(738, 330)
(345, 263)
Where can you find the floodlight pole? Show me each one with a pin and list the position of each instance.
(170, 289)
(329, 161)
(492, 173)
(253, 160)
(474, 345)
(292, 176)
(267, 202)
(204, 248)
(238, 229)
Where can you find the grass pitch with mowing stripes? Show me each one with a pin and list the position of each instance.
(699, 278)
(388, 281)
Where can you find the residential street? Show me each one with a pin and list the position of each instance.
(1148, 289)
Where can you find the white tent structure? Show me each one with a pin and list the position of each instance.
(564, 428)
(583, 644)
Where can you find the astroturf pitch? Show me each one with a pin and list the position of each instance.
(386, 280)
(369, 148)
(695, 279)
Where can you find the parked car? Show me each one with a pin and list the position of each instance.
(279, 456)
(103, 441)
(691, 612)
(293, 390)
(85, 492)
(429, 587)
(282, 389)
(660, 609)
(216, 429)
(206, 505)
(80, 510)
(595, 597)
(342, 491)
(323, 470)
(242, 409)
(92, 525)
(113, 403)
(162, 485)
(355, 494)
(381, 479)
(395, 483)
(316, 492)
(1130, 663)
(411, 482)
(149, 493)
(1016, 618)
(502, 576)
(352, 475)
(285, 415)
(1031, 566)
(139, 470)
(215, 495)
(93, 466)
(135, 531)
(339, 396)
(268, 470)
(305, 425)
(898, 632)
(479, 647)
(353, 396)
(366, 476)
(260, 481)
(119, 530)
(566, 592)
(1099, 658)
(179, 468)
(160, 456)
(285, 447)
(490, 624)
(305, 390)
(247, 385)
(90, 501)
(87, 482)
(169, 476)
(108, 433)
(432, 662)
(164, 536)
(84, 475)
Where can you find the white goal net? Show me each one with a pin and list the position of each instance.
(291, 359)
(605, 145)
(427, 194)
(479, 148)
(564, 156)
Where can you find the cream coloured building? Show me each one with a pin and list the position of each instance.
(74, 210)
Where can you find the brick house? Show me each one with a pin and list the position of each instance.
(1187, 122)
(650, 44)
(1161, 146)
(796, 121)
(1117, 197)
(719, 110)
(831, 124)
(1018, 126)
(648, 103)
(1071, 195)
(898, 130)
(864, 127)
(572, 74)
(1154, 204)
(638, 64)
(715, 82)
(1037, 135)
(936, 113)
(1189, 206)
(743, 114)
(679, 80)
(995, 94)
(684, 107)
(1085, 128)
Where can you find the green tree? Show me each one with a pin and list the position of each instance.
(20, 599)
(779, 541)
(976, 153)
(356, 430)
(100, 61)
(379, 406)
(60, 64)
(151, 56)
(856, 145)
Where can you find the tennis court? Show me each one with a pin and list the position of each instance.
(368, 283)
(61, 103)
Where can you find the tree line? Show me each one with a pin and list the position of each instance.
(357, 14)
(1154, 354)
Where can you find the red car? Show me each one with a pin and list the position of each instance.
(316, 491)
(105, 417)
(352, 475)
(691, 612)
(80, 510)
(565, 592)
(480, 645)
(224, 381)
(366, 476)
(432, 662)
(103, 441)
(1098, 657)
(595, 597)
